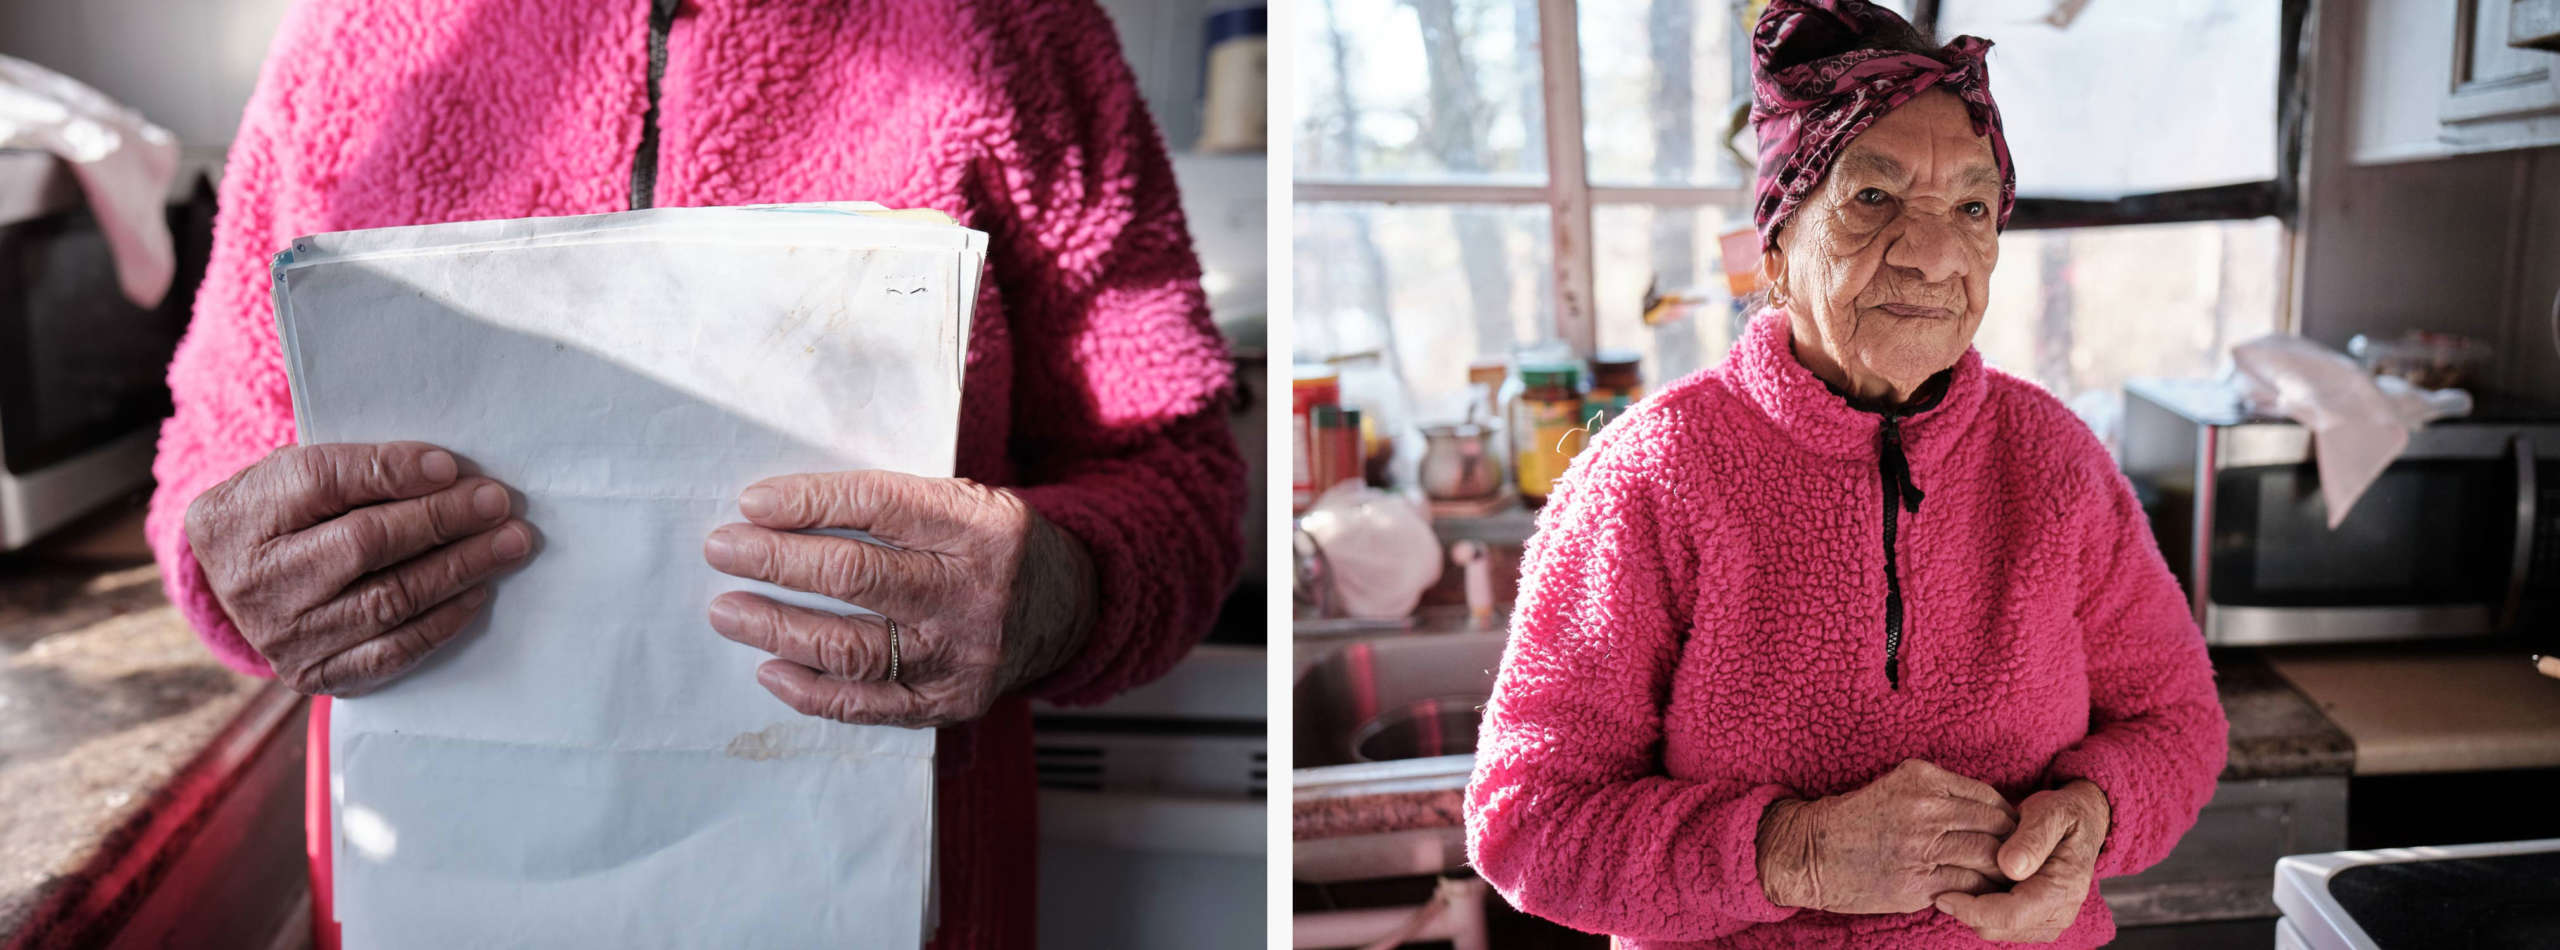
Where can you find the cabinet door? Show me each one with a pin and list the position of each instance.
(2492, 80)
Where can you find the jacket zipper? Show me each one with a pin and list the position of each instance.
(1893, 469)
(644, 160)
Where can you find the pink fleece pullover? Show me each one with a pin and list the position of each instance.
(1095, 381)
(1700, 632)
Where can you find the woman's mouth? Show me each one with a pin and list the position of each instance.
(1916, 311)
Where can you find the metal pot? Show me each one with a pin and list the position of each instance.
(1458, 463)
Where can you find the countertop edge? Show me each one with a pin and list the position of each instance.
(133, 857)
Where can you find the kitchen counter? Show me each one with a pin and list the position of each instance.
(2275, 733)
(117, 731)
(2420, 708)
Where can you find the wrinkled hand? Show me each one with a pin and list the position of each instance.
(346, 564)
(1913, 834)
(987, 594)
(2054, 859)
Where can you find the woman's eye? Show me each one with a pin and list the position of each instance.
(1871, 196)
(1976, 209)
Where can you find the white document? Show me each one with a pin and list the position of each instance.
(591, 764)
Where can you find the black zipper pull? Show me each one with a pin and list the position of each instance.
(1900, 495)
(644, 159)
(1893, 473)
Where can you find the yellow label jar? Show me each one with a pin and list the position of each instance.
(1546, 426)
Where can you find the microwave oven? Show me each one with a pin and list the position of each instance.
(82, 369)
(2459, 537)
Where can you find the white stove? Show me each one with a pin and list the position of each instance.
(2459, 896)
(1152, 831)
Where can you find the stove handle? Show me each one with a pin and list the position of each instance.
(2520, 569)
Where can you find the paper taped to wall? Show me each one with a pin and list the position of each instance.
(591, 764)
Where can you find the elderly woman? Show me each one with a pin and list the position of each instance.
(1757, 693)
(1095, 530)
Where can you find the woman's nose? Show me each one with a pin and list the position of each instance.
(1928, 244)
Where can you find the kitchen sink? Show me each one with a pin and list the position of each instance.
(1394, 698)
(1387, 718)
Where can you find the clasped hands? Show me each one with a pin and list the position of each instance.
(1921, 836)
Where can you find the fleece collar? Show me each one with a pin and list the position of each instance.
(1762, 367)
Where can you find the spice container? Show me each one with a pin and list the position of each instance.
(1546, 426)
(1339, 454)
(1617, 381)
(1235, 64)
(1310, 385)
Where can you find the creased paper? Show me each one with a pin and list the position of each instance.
(591, 764)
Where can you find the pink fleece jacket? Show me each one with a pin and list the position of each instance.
(1700, 632)
(1095, 381)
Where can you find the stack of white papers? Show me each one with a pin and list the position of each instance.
(591, 764)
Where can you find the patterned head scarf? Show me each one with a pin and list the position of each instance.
(1813, 90)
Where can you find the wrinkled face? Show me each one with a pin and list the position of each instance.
(1885, 268)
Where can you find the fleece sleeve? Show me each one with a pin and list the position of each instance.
(2157, 736)
(227, 381)
(1569, 814)
(1121, 382)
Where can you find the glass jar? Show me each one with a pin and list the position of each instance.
(1340, 453)
(1310, 385)
(1617, 381)
(1546, 426)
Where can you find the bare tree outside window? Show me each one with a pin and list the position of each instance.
(1455, 129)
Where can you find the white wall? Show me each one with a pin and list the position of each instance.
(189, 64)
(2533, 362)
(1162, 40)
(2468, 244)
(186, 64)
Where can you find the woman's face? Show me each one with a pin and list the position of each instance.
(1885, 268)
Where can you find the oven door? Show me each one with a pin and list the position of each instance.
(2455, 539)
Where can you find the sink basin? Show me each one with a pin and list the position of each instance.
(1444, 725)
(1390, 716)
(1395, 698)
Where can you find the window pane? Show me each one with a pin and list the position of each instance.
(1661, 83)
(1633, 245)
(1659, 86)
(1428, 287)
(2077, 310)
(2130, 97)
(2080, 310)
(1419, 90)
